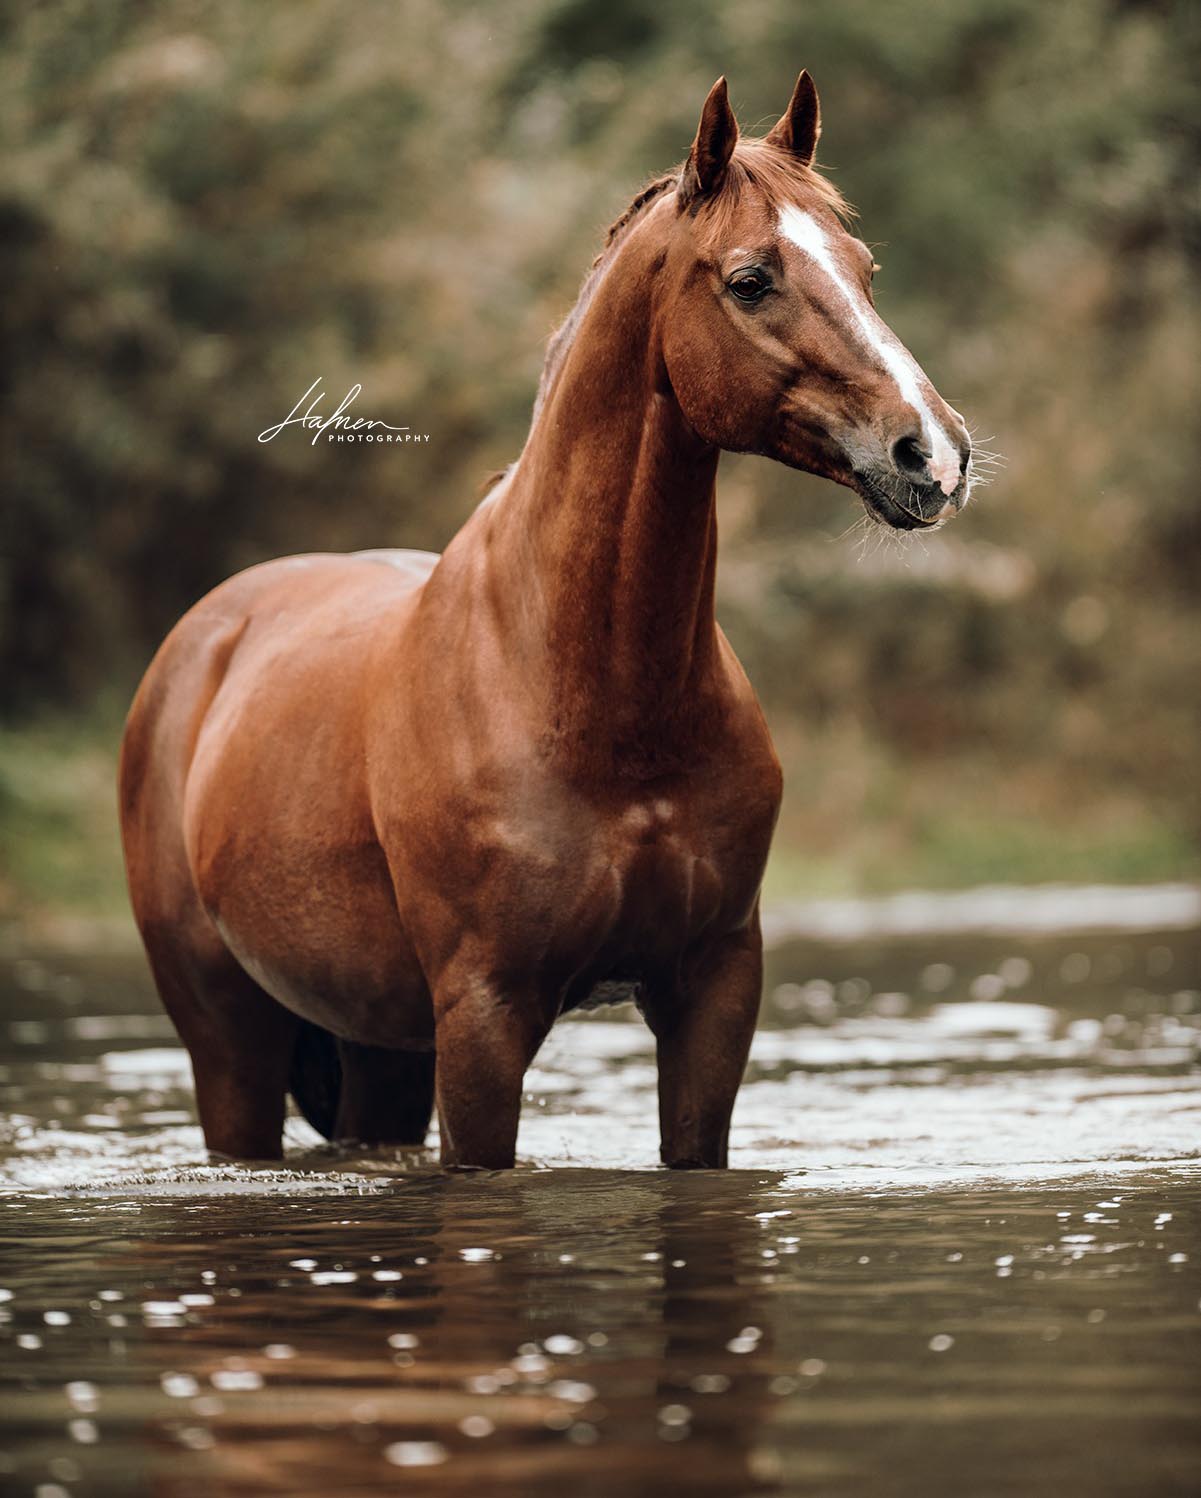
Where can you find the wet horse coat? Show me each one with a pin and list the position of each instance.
(386, 816)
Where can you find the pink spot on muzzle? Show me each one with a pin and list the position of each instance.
(945, 468)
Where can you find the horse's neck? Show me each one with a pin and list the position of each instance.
(609, 523)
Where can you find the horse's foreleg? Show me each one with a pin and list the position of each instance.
(485, 1041)
(704, 1037)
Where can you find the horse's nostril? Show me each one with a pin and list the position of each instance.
(911, 459)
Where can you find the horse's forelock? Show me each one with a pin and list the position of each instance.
(778, 177)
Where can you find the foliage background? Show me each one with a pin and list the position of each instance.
(205, 205)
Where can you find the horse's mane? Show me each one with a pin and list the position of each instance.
(779, 176)
(564, 335)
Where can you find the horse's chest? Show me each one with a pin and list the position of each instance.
(654, 883)
(662, 876)
(586, 893)
(656, 856)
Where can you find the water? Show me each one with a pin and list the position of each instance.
(958, 1253)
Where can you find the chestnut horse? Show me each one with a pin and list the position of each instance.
(386, 816)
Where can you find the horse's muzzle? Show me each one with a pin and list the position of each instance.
(905, 506)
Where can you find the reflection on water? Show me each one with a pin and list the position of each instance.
(961, 1256)
(607, 1333)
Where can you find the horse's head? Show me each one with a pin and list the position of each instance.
(770, 337)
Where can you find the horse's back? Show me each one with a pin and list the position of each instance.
(341, 589)
(281, 594)
(280, 625)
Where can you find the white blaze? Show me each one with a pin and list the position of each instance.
(806, 233)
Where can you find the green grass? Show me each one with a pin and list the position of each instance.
(971, 846)
(859, 819)
(60, 851)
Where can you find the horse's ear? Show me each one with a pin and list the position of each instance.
(716, 137)
(799, 127)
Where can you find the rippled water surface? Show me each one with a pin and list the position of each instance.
(958, 1253)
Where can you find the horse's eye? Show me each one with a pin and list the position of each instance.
(749, 285)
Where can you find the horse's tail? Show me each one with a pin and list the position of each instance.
(315, 1080)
